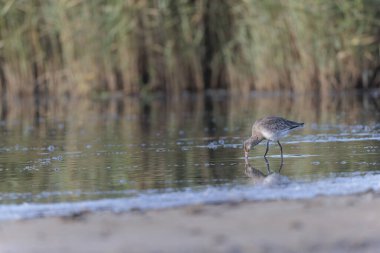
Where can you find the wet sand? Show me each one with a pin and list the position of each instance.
(323, 224)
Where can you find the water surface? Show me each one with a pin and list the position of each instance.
(59, 157)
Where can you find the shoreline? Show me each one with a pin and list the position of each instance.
(347, 223)
(272, 190)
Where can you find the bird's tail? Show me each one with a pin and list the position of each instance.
(297, 125)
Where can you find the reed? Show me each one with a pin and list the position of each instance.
(78, 47)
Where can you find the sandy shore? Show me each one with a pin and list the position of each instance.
(323, 224)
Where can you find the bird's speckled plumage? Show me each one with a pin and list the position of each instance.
(273, 128)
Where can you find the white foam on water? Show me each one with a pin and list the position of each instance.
(348, 183)
(319, 138)
(333, 138)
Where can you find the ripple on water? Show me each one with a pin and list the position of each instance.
(168, 160)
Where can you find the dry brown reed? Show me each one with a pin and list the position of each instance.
(76, 47)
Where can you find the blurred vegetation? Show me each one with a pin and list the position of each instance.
(81, 47)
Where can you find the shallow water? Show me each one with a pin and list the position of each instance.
(123, 153)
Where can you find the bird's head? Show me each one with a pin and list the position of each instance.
(250, 143)
(247, 145)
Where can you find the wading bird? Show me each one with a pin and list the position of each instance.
(270, 128)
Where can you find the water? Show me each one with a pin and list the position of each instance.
(119, 154)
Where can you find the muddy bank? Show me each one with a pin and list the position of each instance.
(323, 224)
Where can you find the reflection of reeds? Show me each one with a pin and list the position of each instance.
(85, 47)
(70, 127)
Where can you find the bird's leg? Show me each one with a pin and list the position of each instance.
(266, 151)
(268, 166)
(279, 170)
(282, 158)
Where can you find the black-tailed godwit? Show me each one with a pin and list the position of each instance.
(270, 128)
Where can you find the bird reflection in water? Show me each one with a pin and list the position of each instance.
(270, 179)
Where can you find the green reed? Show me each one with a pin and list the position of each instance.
(82, 47)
